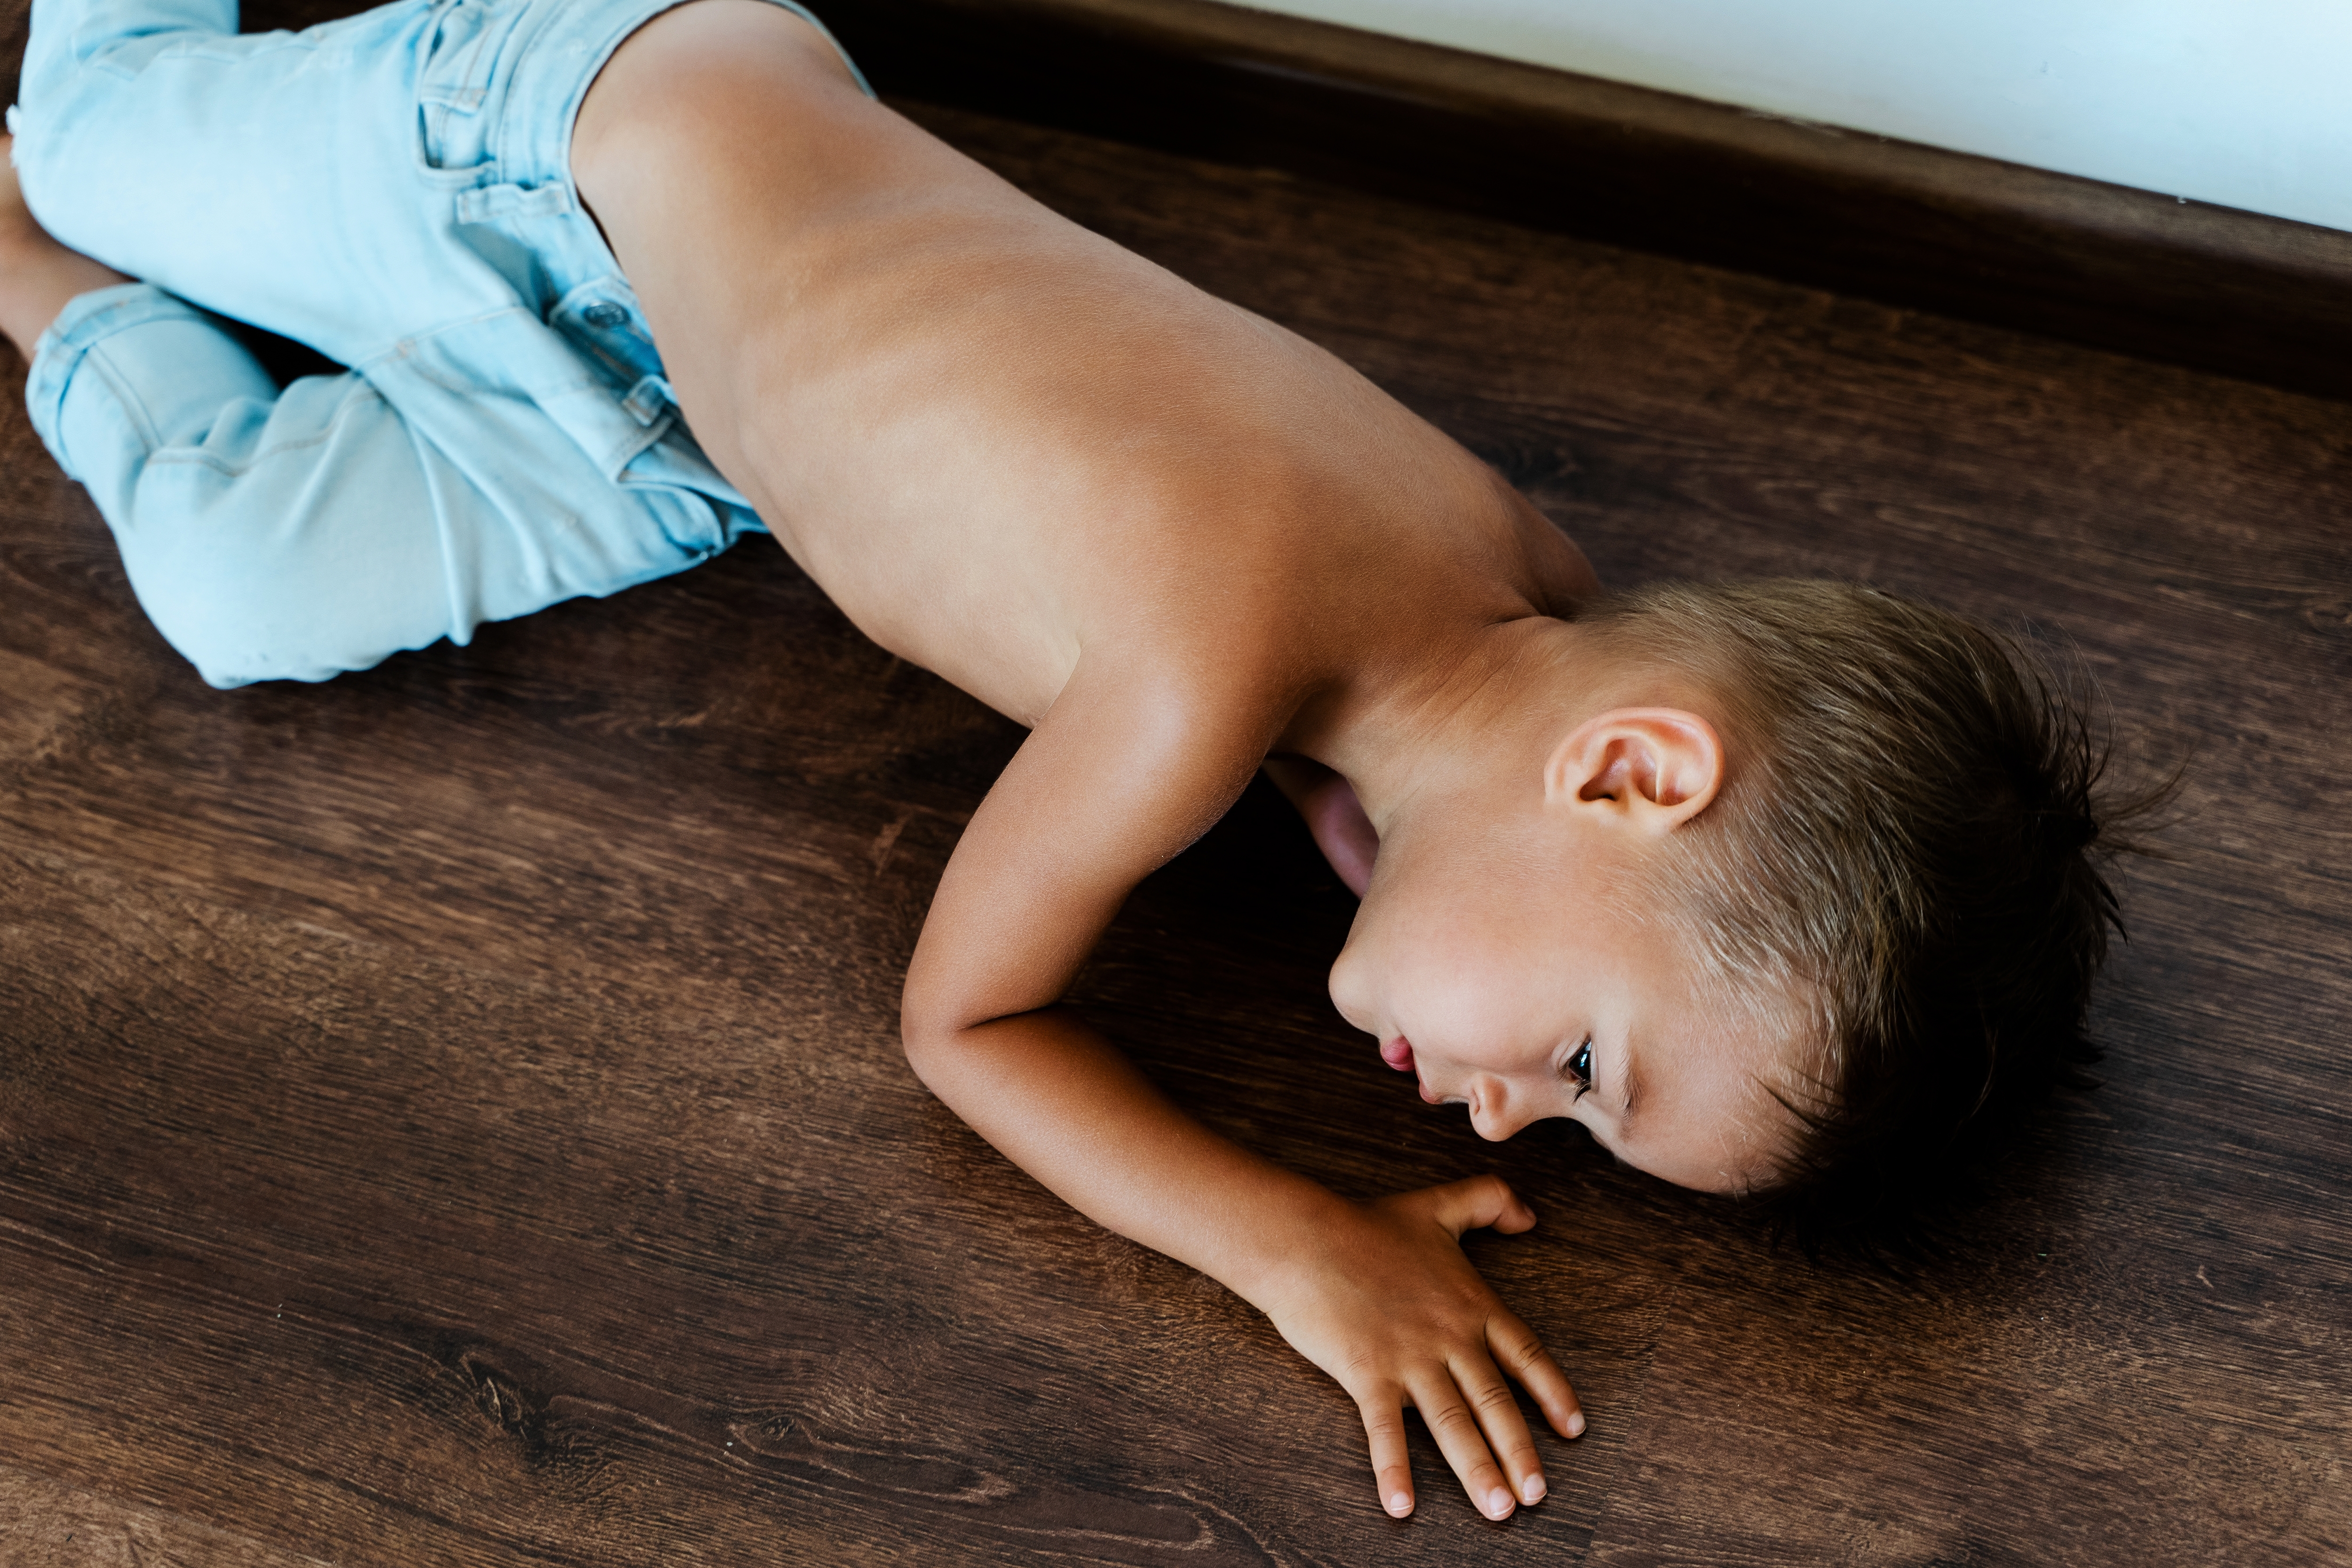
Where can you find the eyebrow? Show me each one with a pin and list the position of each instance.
(1633, 1083)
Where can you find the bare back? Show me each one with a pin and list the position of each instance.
(997, 439)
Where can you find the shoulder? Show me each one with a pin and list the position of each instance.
(1190, 714)
(1559, 576)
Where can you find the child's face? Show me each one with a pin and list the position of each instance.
(1526, 993)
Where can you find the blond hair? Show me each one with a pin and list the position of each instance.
(1909, 841)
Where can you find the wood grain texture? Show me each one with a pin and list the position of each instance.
(46, 1525)
(1909, 225)
(454, 1114)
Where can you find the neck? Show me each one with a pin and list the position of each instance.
(1492, 709)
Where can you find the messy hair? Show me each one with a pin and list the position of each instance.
(1910, 843)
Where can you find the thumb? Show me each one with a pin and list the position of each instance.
(1479, 1203)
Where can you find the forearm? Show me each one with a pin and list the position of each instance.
(1061, 1102)
(1378, 1295)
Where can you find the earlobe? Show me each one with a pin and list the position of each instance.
(1652, 768)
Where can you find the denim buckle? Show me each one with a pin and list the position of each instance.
(648, 400)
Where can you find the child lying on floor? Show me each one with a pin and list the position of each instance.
(1778, 888)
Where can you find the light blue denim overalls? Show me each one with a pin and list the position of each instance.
(395, 191)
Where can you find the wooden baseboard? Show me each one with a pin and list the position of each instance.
(1915, 227)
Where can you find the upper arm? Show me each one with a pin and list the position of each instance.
(1128, 768)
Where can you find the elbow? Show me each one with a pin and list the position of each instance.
(927, 1033)
(936, 1011)
(948, 1028)
(921, 1046)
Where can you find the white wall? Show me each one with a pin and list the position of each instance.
(2246, 104)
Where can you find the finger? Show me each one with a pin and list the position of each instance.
(1383, 1416)
(1521, 1355)
(1509, 1440)
(1464, 1445)
(1479, 1203)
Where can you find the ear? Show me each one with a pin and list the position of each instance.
(1649, 768)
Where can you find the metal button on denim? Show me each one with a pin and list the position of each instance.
(604, 313)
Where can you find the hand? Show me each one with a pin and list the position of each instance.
(1392, 1310)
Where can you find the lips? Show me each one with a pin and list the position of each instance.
(1398, 1054)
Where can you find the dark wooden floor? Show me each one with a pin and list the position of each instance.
(453, 1115)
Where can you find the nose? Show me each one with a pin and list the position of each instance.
(1495, 1112)
(1347, 987)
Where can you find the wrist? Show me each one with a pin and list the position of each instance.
(1295, 1243)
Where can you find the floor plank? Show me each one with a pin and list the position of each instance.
(46, 1525)
(454, 1114)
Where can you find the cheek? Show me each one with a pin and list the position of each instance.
(1461, 980)
(1469, 999)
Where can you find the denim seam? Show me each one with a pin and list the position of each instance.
(126, 394)
(199, 47)
(404, 352)
(464, 387)
(139, 303)
(198, 457)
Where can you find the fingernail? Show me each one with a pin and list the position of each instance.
(1499, 1503)
(1575, 1425)
(1533, 1491)
(1399, 1505)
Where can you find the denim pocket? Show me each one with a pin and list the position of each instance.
(462, 52)
(512, 355)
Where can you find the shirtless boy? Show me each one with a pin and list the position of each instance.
(1779, 890)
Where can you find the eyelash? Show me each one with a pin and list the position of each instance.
(1583, 1075)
